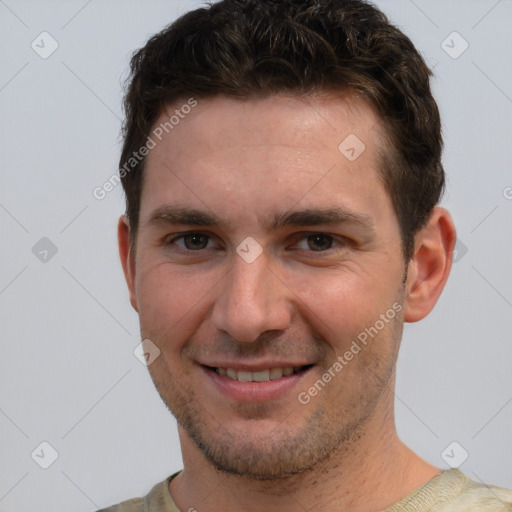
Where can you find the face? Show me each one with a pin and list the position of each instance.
(265, 256)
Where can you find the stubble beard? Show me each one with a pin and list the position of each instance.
(327, 433)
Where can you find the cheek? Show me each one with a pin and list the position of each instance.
(171, 303)
(344, 300)
(345, 309)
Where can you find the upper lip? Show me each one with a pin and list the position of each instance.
(254, 367)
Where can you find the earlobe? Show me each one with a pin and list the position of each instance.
(430, 266)
(127, 257)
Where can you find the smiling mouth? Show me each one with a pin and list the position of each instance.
(259, 376)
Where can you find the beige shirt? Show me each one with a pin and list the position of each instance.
(451, 491)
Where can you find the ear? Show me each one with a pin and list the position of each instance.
(127, 257)
(430, 266)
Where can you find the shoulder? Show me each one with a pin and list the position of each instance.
(134, 505)
(482, 497)
(157, 500)
(453, 491)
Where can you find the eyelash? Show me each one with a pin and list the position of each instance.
(183, 235)
(337, 241)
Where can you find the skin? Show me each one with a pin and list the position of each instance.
(303, 300)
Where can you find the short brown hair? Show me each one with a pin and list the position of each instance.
(254, 48)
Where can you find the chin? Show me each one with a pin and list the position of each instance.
(268, 451)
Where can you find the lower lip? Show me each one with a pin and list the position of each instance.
(254, 391)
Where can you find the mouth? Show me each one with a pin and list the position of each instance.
(261, 375)
(259, 385)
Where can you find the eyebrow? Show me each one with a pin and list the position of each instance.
(314, 217)
(310, 217)
(188, 216)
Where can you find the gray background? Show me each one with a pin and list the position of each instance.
(68, 373)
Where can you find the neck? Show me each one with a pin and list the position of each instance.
(372, 473)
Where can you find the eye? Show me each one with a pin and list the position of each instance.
(317, 242)
(193, 241)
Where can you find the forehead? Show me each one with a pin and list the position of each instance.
(258, 151)
(318, 121)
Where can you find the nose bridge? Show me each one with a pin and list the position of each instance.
(252, 300)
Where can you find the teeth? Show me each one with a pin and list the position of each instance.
(276, 373)
(244, 376)
(261, 376)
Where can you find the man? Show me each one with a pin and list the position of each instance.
(281, 165)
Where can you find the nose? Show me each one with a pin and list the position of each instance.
(252, 300)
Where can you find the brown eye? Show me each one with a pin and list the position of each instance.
(192, 241)
(319, 242)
